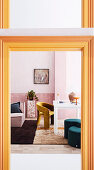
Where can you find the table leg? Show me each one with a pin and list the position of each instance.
(77, 113)
(55, 120)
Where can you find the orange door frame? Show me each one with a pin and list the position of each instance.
(86, 44)
(87, 13)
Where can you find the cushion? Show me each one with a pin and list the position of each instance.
(15, 108)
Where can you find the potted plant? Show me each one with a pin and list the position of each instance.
(31, 95)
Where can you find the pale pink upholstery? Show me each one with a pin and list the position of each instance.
(17, 119)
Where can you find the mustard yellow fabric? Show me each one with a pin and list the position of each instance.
(47, 110)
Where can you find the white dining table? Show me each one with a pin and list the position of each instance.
(64, 105)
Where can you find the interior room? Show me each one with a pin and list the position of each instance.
(45, 94)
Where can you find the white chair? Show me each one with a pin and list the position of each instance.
(17, 119)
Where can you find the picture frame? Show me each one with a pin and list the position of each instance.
(41, 76)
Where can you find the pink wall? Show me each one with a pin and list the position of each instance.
(67, 73)
(73, 72)
(67, 78)
(23, 64)
(60, 75)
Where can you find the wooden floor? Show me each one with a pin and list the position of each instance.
(44, 149)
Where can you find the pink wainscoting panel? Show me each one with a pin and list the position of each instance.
(44, 97)
(67, 114)
(22, 97)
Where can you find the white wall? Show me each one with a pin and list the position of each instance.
(45, 13)
(22, 71)
(45, 161)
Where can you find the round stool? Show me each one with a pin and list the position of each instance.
(70, 122)
(74, 137)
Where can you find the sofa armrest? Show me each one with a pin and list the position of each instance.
(16, 114)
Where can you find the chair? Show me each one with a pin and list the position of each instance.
(17, 119)
(47, 110)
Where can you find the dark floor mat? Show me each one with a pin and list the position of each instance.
(24, 134)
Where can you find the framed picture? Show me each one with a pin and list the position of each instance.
(41, 76)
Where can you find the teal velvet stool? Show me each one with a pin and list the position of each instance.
(70, 122)
(74, 136)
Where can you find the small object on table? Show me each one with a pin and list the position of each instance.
(71, 96)
(76, 98)
(61, 102)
